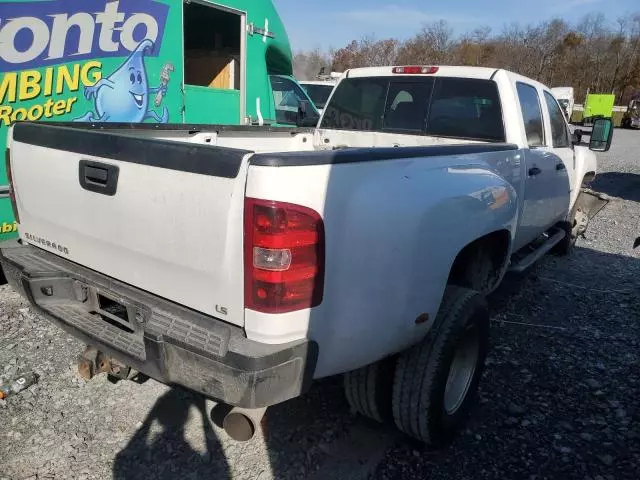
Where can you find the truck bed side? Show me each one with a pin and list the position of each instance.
(395, 220)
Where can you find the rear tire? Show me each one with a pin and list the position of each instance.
(436, 380)
(368, 389)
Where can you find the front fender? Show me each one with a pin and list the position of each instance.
(586, 163)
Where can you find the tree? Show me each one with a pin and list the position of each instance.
(307, 65)
(433, 45)
(367, 52)
(590, 55)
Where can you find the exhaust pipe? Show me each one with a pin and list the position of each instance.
(241, 424)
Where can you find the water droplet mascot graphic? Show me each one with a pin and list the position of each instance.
(124, 95)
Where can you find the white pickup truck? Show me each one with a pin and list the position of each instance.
(244, 262)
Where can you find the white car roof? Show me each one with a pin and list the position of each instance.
(329, 83)
(443, 71)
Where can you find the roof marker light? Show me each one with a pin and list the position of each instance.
(415, 70)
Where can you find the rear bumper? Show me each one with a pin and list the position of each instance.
(165, 341)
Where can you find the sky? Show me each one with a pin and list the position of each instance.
(334, 23)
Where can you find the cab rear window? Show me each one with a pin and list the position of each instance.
(441, 106)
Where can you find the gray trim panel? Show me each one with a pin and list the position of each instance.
(185, 157)
(357, 155)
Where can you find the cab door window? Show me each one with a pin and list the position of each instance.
(559, 130)
(531, 114)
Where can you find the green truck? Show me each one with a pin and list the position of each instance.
(157, 61)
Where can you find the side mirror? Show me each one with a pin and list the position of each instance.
(602, 135)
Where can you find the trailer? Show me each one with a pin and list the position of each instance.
(155, 61)
(566, 99)
(598, 105)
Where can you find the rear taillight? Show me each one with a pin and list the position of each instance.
(415, 70)
(12, 193)
(283, 256)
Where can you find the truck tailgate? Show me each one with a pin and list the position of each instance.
(163, 216)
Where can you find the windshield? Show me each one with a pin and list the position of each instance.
(319, 93)
(462, 108)
(287, 96)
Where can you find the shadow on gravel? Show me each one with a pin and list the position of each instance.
(560, 396)
(619, 184)
(296, 435)
(164, 452)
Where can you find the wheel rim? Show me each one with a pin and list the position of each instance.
(462, 370)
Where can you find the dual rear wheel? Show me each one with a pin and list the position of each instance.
(428, 390)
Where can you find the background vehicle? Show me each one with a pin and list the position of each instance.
(598, 105)
(155, 61)
(319, 90)
(631, 118)
(364, 246)
(566, 99)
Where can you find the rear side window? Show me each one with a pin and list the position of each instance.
(440, 106)
(319, 94)
(357, 104)
(466, 108)
(559, 130)
(531, 114)
(406, 109)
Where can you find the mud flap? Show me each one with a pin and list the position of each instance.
(592, 202)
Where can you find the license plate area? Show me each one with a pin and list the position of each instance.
(115, 312)
(110, 318)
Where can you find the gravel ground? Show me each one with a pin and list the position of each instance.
(559, 399)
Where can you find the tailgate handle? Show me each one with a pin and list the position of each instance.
(98, 177)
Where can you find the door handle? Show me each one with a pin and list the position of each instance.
(534, 171)
(98, 177)
(560, 166)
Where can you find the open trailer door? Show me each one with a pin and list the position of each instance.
(214, 43)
